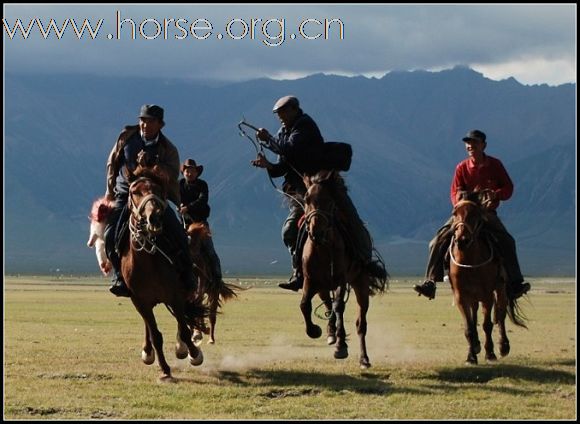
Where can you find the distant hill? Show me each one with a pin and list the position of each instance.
(405, 129)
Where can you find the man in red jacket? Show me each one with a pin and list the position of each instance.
(477, 173)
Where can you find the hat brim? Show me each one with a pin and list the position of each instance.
(466, 139)
(199, 169)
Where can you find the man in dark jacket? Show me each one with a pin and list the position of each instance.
(195, 208)
(295, 143)
(144, 144)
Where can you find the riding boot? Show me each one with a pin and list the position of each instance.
(118, 288)
(295, 282)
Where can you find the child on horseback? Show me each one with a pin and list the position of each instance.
(194, 207)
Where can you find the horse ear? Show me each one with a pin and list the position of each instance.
(326, 174)
(307, 180)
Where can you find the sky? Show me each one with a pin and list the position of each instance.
(534, 43)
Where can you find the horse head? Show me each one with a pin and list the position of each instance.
(147, 194)
(319, 205)
(467, 221)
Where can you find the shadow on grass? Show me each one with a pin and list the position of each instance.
(294, 382)
(486, 373)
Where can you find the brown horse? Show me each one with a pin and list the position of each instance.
(476, 275)
(329, 267)
(149, 272)
(211, 291)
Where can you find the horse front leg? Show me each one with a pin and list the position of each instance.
(313, 330)
(341, 350)
(466, 311)
(362, 298)
(147, 354)
(486, 307)
(155, 336)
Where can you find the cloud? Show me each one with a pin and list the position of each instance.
(228, 42)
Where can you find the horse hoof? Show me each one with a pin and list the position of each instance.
(211, 341)
(198, 360)
(148, 359)
(491, 357)
(365, 364)
(181, 350)
(331, 340)
(471, 360)
(341, 353)
(165, 378)
(314, 331)
(504, 350)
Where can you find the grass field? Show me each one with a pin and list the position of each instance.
(72, 351)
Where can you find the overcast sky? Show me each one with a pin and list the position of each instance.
(534, 43)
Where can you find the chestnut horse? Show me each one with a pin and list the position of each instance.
(150, 273)
(476, 275)
(329, 267)
(211, 291)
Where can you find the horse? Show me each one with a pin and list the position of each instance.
(212, 291)
(329, 267)
(477, 276)
(149, 273)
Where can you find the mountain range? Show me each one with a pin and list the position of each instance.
(405, 130)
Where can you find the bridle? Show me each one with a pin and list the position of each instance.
(327, 216)
(141, 237)
(473, 232)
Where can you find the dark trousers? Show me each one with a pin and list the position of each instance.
(505, 242)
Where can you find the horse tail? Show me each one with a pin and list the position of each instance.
(516, 314)
(380, 276)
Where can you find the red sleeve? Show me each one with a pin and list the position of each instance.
(457, 184)
(505, 186)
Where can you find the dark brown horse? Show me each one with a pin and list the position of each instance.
(211, 291)
(329, 267)
(149, 272)
(476, 276)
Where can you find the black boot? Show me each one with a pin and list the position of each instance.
(426, 289)
(294, 283)
(119, 288)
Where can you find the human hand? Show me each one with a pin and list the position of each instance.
(263, 134)
(261, 161)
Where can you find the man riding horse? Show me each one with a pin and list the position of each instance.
(479, 172)
(144, 144)
(294, 143)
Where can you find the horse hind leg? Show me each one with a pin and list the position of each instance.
(341, 350)
(184, 334)
(212, 320)
(331, 326)
(500, 316)
(362, 297)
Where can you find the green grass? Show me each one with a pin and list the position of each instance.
(72, 351)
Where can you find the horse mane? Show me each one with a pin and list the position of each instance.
(157, 174)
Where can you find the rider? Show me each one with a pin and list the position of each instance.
(294, 143)
(194, 208)
(144, 144)
(477, 173)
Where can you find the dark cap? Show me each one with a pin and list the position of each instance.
(284, 102)
(151, 111)
(475, 135)
(190, 163)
